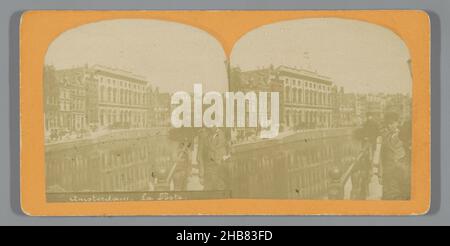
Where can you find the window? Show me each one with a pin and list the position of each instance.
(294, 95)
(109, 94)
(102, 93)
(287, 96)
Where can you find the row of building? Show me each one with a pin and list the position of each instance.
(311, 100)
(97, 97)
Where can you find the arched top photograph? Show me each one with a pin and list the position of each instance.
(243, 108)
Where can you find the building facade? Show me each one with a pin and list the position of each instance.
(311, 100)
(92, 98)
(65, 95)
(259, 80)
(307, 98)
(121, 98)
(375, 105)
(400, 104)
(159, 109)
(51, 100)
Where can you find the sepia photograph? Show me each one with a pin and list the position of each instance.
(307, 109)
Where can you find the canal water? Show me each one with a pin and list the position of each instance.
(294, 167)
(132, 161)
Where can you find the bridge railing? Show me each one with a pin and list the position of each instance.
(338, 179)
(166, 181)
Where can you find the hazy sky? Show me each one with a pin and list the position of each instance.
(170, 55)
(360, 56)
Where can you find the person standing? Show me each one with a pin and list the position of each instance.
(183, 167)
(202, 151)
(214, 177)
(405, 136)
(371, 130)
(393, 161)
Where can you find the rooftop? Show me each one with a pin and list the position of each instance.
(303, 72)
(118, 71)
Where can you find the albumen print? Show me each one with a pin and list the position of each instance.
(343, 112)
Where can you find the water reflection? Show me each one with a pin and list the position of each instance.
(292, 168)
(134, 164)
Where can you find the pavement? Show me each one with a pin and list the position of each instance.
(375, 189)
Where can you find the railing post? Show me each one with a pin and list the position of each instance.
(335, 186)
(281, 189)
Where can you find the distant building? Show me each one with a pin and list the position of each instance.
(258, 80)
(375, 105)
(52, 118)
(121, 98)
(400, 104)
(361, 109)
(92, 97)
(65, 98)
(347, 110)
(305, 96)
(161, 109)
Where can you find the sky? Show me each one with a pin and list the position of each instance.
(169, 55)
(359, 56)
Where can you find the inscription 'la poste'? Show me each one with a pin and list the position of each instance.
(213, 116)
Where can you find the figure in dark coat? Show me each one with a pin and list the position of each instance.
(214, 177)
(393, 160)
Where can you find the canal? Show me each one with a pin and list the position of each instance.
(292, 166)
(296, 166)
